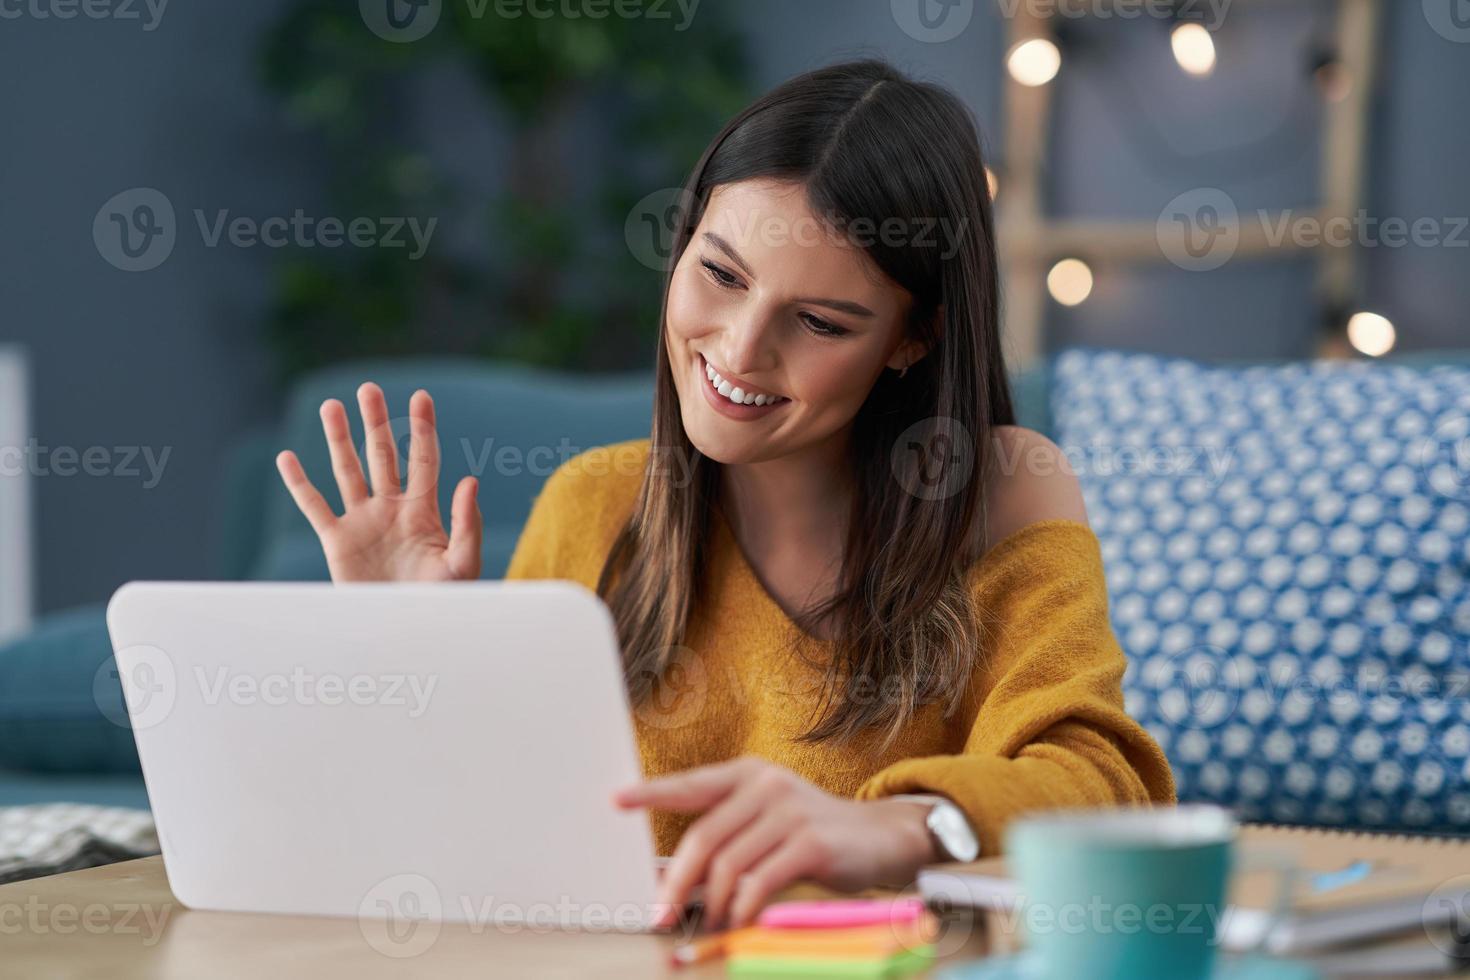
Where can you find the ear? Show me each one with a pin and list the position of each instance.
(910, 352)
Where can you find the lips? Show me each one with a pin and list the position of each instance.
(739, 392)
(730, 409)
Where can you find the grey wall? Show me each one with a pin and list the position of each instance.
(173, 359)
(788, 38)
(1132, 131)
(169, 359)
(1420, 163)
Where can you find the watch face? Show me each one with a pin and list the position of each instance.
(953, 831)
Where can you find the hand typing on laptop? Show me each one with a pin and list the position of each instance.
(764, 827)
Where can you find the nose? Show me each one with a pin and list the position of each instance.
(747, 345)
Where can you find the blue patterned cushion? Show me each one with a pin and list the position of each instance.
(1287, 552)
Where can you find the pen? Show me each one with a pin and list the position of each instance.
(702, 949)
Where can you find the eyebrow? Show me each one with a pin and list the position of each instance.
(845, 306)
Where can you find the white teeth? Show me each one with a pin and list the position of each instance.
(737, 395)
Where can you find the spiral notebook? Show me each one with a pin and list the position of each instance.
(1347, 887)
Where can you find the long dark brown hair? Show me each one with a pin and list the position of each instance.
(866, 142)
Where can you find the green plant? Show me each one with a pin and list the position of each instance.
(567, 291)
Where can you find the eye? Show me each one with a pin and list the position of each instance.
(821, 327)
(720, 276)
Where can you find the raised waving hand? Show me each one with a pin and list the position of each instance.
(389, 531)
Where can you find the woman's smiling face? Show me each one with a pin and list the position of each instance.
(778, 306)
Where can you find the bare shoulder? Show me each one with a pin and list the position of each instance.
(1031, 480)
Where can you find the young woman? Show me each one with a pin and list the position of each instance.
(863, 618)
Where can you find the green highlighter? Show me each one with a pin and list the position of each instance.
(899, 964)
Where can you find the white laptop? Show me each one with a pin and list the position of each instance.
(442, 751)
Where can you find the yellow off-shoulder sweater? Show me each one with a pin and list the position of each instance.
(1041, 725)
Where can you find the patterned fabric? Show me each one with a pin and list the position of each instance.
(56, 837)
(1287, 552)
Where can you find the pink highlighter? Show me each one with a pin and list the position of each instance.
(840, 913)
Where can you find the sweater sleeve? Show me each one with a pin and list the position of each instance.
(1042, 724)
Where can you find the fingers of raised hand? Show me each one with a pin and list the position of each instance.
(423, 448)
(307, 497)
(382, 453)
(466, 529)
(346, 467)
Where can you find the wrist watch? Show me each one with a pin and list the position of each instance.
(947, 825)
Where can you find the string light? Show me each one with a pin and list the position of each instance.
(1069, 282)
(1194, 49)
(1371, 334)
(1034, 62)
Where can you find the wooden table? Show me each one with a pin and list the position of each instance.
(121, 922)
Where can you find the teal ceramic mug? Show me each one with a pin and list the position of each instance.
(1130, 893)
